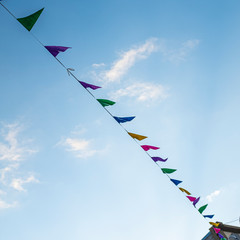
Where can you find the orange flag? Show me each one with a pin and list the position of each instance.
(138, 137)
(184, 190)
(214, 224)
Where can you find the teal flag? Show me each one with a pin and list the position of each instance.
(201, 209)
(105, 102)
(168, 170)
(29, 21)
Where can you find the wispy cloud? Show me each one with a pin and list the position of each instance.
(2, 192)
(80, 147)
(127, 60)
(6, 171)
(143, 92)
(213, 195)
(14, 149)
(17, 183)
(98, 65)
(179, 54)
(4, 205)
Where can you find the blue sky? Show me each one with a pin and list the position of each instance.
(67, 170)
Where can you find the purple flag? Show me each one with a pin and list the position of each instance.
(55, 50)
(148, 147)
(220, 235)
(87, 85)
(156, 159)
(196, 201)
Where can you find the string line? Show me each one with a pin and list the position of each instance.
(71, 74)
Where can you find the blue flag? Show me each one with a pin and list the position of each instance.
(123, 119)
(176, 182)
(208, 216)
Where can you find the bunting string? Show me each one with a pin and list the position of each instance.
(28, 22)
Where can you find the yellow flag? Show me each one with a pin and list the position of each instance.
(138, 137)
(214, 224)
(184, 190)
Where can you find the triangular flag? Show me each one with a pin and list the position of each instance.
(192, 199)
(105, 102)
(214, 224)
(148, 147)
(123, 119)
(184, 190)
(201, 209)
(217, 230)
(55, 50)
(136, 136)
(221, 236)
(168, 170)
(156, 159)
(29, 21)
(176, 182)
(87, 85)
(196, 201)
(208, 216)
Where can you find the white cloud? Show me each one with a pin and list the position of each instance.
(213, 195)
(142, 92)
(12, 150)
(7, 170)
(17, 183)
(77, 144)
(179, 54)
(80, 147)
(2, 192)
(98, 65)
(127, 60)
(4, 205)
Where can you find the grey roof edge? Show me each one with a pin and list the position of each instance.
(229, 228)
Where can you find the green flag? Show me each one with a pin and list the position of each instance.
(29, 21)
(105, 102)
(201, 209)
(168, 170)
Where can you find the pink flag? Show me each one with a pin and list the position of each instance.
(217, 230)
(148, 147)
(192, 199)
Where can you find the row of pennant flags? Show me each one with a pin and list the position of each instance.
(28, 22)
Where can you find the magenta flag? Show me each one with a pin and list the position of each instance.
(148, 147)
(217, 230)
(55, 50)
(192, 199)
(87, 85)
